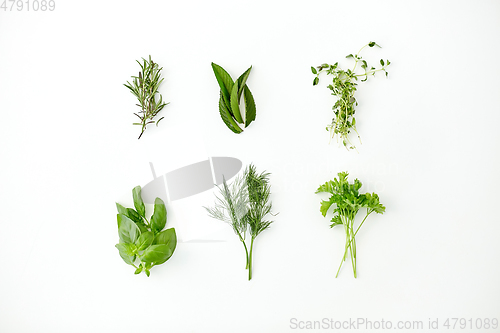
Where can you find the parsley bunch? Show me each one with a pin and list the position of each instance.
(343, 86)
(348, 201)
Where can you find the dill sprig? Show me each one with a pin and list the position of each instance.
(244, 204)
(145, 87)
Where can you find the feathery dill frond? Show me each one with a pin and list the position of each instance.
(244, 204)
(232, 205)
(259, 191)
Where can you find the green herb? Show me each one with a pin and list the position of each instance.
(244, 205)
(343, 87)
(348, 202)
(229, 101)
(142, 239)
(145, 88)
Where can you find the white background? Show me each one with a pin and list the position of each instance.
(69, 152)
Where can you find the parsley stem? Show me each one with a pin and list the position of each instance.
(351, 242)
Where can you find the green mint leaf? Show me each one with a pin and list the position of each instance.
(242, 80)
(235, 103)
(227, 118)
(313, 70)
(225, 82)
(250, 108)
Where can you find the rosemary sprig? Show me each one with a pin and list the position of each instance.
(343, 86)
(145, 87)
(244, 204)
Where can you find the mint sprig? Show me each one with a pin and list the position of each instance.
(230, 96)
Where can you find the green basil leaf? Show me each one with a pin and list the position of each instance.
(134, 216)
(138, 203)
(138, 270)
(250, 109)
(313, 70)
(159, 218)
(121, 209)
(156, 254)
(144, 240)
(127, 229)
(125, 251)
(129, 249)
(167, 237)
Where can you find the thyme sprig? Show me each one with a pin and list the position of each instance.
(145, 88)
(343, 86)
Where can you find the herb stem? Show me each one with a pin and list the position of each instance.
(246, 253)
(370, 72)
(250, 260)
